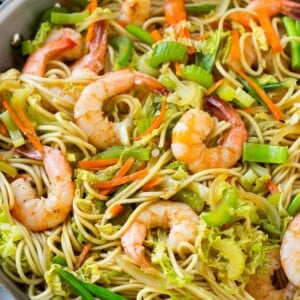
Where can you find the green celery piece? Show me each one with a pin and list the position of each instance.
(69, 18)
(168, 51)
(232, 252)
(265, 153)
(14, 133)
(197, 74)
(223, 213)
(8, 169)
(190, 198)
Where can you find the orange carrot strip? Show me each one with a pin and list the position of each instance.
(90, 33)
(178, 68)
(156, 35)
(83, 254)
(272, 187)
(119, 181)
(215, 86)
(156, 123)
(272, 107)
(152, 183)
(266, 24)
(174, 11)
(234, 56)
(123, 170)
(115, 210)
(3, 130)
(242, 18)
(249, 110)
(203, 36)
(25, 126)
(95, 164)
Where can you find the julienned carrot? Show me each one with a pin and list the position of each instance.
(83, 254)
(266, 24)
(24, 124)
(272, 187)
(90, 33)
(152, 183)
(242, 18)
(123, 171)
(215, 86)
(95, 164)
(203, 36)
(156, 35)
(272, 107)
(3, 130)
(114, 210)
(156, 123)
(234, 57)
(122, 180)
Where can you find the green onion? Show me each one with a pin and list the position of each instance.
(85, 289)
(124, 46)
(200, 8)
(75, 284)
(264, 153)
(275, 85)
(140, 33)
(168, 51)
(294, 205)
(8, 169)
(224, 211)
(290, 28)
(57, 259)
(69, 18)
(198, 74)
(14, 133)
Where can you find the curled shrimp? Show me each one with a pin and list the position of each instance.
(274, 7)
(194, 126)
(260, 285)
(289, 251)
(135, 11)
(88, 110)
(39, 214)
(67, 44)
(179, 217)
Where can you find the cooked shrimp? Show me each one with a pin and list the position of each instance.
(88, 110)
(40, 214)
(67, 44)
(93, 62)
(135, 11)
(274, 7)
(260, 285)
(290, 250)
(194, 126)
(179, 217)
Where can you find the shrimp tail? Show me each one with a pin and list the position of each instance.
(30, 153)
(94, 61)
(153, 85)
(222, 110)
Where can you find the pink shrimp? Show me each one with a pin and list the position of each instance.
(179, 217)
(67, 44)
(195, 125)
(39, 213)
(274, 7)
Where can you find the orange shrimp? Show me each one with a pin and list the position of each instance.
(195, 125)
(274, 7)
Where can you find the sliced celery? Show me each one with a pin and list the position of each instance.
(14, 132)
(8, 169)
(198, 74)
(226, 92)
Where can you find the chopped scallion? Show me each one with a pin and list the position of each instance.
(140, 33)
(69, 18)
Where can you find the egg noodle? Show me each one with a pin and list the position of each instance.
(243, 206)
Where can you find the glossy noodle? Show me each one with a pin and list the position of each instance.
(155, 152)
